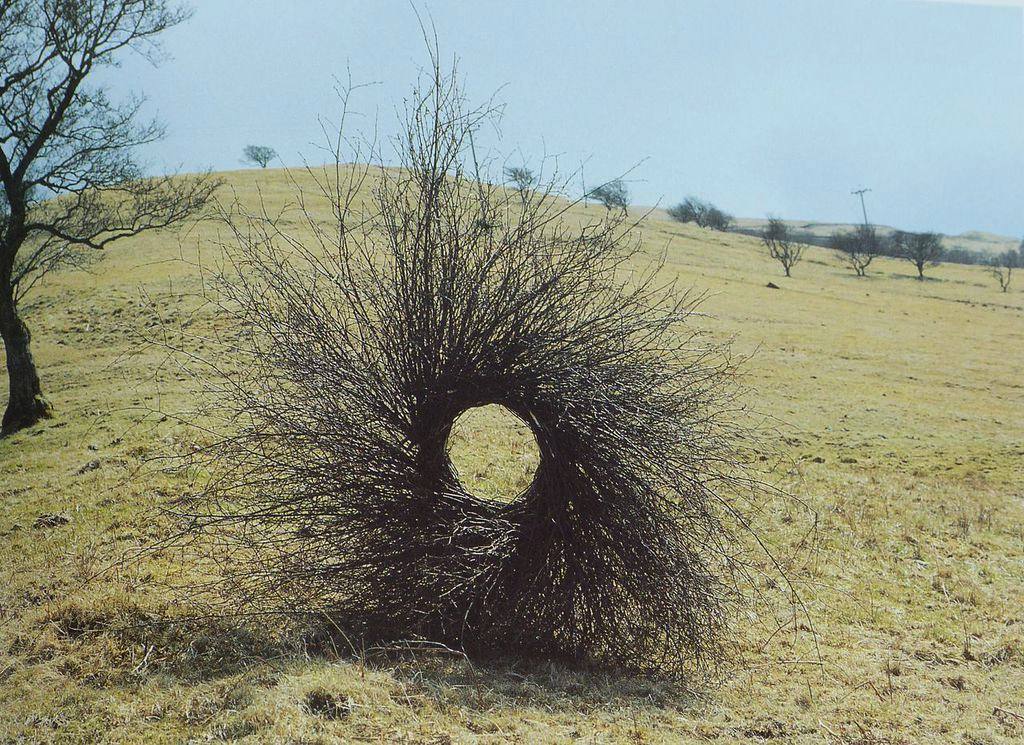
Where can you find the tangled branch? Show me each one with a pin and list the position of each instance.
(429, 293)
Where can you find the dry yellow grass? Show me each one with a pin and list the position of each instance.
(900, 405)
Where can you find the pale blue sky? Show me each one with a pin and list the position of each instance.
(763, 106)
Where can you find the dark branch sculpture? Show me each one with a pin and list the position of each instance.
(435, 294)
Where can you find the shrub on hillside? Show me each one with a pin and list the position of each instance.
(613, 195)
(858, 247)
(781, 245)
(920, 249)
(522, 178)
(259, 155)
(704, 214)
(1002, 266)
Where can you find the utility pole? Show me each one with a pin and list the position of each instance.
(860, 193)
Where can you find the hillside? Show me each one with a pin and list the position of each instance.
(899, 407)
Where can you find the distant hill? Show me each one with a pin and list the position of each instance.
(817, 233)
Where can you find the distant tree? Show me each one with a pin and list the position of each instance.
(781, 245)
(690, 209)
(704, 214)
(858, 247)
(718, 220)
(957, 254)
(920, 249)
(1004, 264)
(70, 182)
(522, 178)
(613, 195)
(261, 155)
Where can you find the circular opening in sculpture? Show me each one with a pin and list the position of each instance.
(493, 452)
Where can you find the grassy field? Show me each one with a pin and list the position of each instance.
(900, 409)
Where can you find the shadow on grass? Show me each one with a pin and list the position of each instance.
(450, 678)
(927, 279)
(116, 642)
(552, 686)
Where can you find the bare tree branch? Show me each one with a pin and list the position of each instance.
(69, 176)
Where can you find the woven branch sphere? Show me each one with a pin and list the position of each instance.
(430, 294)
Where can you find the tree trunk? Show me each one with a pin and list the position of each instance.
(26, 404)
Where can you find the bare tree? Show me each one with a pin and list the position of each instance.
(704, 214)
(858, 247)
(1003, 266)
(781, 246)
(613, 195)
(920, 249)
(522, 178)
(261, 155)
(70, 182)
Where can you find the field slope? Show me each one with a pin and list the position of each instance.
(900, 411)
